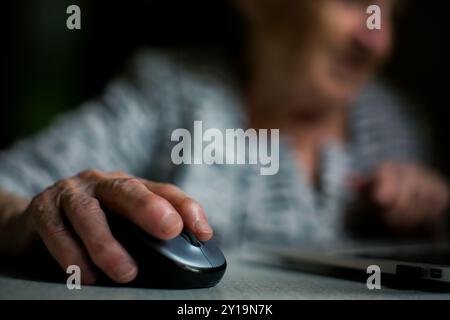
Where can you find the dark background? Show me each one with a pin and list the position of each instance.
(48, 69)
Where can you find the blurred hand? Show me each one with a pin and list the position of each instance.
(407, 196)
(159, 209)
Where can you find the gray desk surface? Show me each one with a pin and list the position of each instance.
(242, 280)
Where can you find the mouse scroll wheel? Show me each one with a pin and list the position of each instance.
(189, 236)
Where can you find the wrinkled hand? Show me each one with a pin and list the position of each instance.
(69, 219)
(408, 196)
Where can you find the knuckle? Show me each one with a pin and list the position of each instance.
(120, 173)
(65, 184)
(52, 231)
(82, 205)
(51, 190)
(44, 197)
(42, 213)
(125, 185)
(153, 204)
(89, 174)
(131, 182)
(150, 201)
(169, 188)
(47, 224)
(189, 204)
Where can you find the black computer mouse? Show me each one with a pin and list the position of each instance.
(180, 263)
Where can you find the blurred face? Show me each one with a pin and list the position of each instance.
(324, 45)
(347, 53)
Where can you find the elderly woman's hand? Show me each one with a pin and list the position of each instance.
(69, 219)
(408, 196)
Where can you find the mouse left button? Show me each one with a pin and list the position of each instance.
(190, 237)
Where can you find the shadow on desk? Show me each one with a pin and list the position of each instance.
(38, 265)
(34, 277)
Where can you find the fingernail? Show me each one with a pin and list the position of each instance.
(170, 222)
(125, 271)
(202, 227)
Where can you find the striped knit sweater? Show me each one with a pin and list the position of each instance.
(128, 128)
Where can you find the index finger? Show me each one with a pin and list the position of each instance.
(190, 210)
(132, 199)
